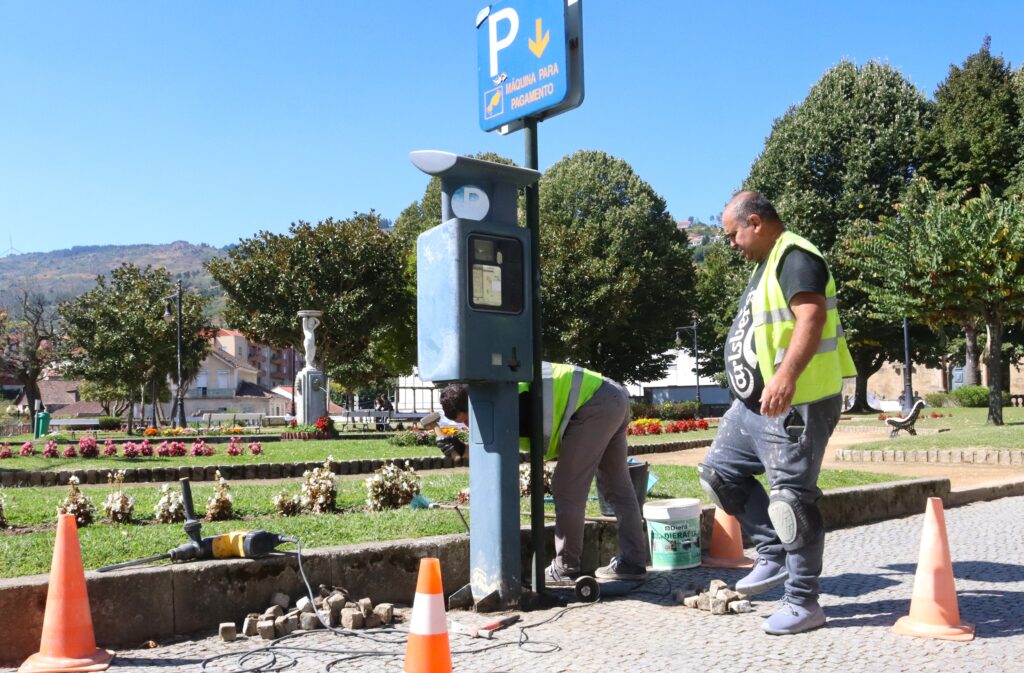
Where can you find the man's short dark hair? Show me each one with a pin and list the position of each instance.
(455, 399)
(753, 203)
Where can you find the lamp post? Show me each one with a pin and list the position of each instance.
(908, 388)
(696, 353)
(179, 402)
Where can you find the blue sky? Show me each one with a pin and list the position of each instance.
(148, 122)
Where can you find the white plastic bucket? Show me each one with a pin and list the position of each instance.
(673, 530)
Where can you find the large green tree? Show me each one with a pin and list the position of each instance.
(846, 152)
(976, 138)
(720, 281)
(117, 338)
(617, 276)
(945, 261)
(351, 270)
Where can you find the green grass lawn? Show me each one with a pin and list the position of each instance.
(26, 547)
(967, 428)
(290, 451)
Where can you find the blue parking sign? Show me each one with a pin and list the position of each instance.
(522, 61)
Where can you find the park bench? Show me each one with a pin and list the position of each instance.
(907, 422)
(365, 419)
(73, 424)
(252, 421)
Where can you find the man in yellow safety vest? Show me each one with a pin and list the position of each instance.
(585, 420)
(785, 358)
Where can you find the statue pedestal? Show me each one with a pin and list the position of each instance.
(311, 385)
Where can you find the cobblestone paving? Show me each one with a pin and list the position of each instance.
(866, 587)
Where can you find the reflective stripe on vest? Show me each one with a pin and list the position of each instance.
(575, 390)
(773, 329)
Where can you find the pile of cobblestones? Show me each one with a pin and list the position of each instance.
(718, 599)
(333, 607)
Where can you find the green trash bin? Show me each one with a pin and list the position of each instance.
(42, 423)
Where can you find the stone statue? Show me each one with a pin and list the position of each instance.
(310, 321)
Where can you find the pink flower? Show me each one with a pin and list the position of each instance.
(109, 448)
(5, 452)
(51, 450)
(146, 448)
(163, 449)
(234, 449)
(70, 451)
(27, 449)
(255, 448)
(131, 450)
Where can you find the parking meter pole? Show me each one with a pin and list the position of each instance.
(494, 507)
(537, 449)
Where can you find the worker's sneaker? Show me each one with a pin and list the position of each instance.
(621, 570)
(791, 618)
(767, 574)
(556, 574)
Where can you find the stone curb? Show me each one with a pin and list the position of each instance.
(978, 456)
(237, 472)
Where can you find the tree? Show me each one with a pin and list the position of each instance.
(30, 337)
(113, 400)
(720, 282)
(352, 270)
(117, 338)
(976, 138)
(845, 153)
(617, 277)
(946, 261)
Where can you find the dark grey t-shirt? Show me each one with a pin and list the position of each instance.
(800, 271)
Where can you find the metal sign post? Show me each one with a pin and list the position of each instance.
(530, 68)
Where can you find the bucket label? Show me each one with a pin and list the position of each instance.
(674, 544)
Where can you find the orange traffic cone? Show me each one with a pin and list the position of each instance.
(933, 607)
(67, 643)
(726, 543)
(427, 650)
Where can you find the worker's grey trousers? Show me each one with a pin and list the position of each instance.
(595, 442)
(790, 450)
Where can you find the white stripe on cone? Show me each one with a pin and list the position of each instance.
(428, 618)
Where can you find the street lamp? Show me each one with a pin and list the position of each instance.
(908, 388)
(696, 352)
(179, 402)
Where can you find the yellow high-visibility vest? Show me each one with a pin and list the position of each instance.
(566, 389)
(773, 329)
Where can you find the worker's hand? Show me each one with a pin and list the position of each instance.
(778, 394)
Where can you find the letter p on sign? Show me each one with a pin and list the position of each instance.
(506, 14)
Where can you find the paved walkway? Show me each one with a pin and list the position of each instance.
(867, 586)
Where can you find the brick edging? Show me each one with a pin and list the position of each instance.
(976, 456)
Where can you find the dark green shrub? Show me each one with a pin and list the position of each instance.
(643, 410)
(109, 423)
(939, 399)
(677, 411)
(971, 396)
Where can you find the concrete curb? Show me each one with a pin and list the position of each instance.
(977, 456)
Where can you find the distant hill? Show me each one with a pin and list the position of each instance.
(63, 274)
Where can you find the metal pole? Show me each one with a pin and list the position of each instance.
(696, 365)
(292, 349)
(908, 389)
(537, 450)
(181, 395)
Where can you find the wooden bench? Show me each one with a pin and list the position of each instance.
(907, 422)
(364, 418)
(252, 421)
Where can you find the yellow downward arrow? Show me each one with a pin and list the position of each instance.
(541, 43)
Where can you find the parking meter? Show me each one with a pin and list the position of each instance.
(474, 317)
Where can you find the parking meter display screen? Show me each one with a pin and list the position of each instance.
(496, 274)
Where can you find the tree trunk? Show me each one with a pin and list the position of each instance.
(971, 377)
(994, 367)
(867, 363)
(131, 409)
